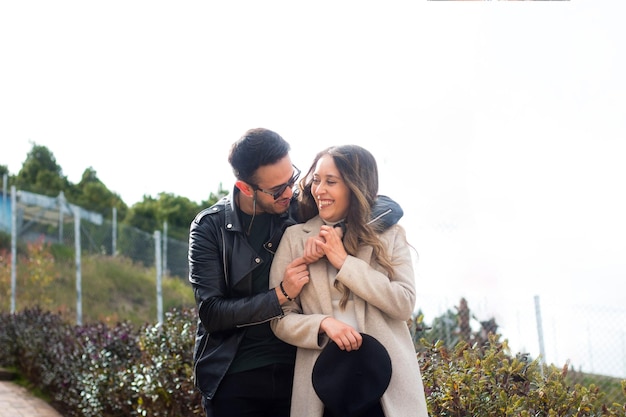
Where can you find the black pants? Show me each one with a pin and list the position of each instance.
(262, 392)
(375, 411)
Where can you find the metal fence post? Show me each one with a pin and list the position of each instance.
(164, 248)
(114, 233)
(13, 246)
(79, 295)
(62, 203)
(4, 199)
(542, 350)
(157, 257)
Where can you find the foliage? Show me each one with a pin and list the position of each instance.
(452, 328)
(163, 378)
(98, 370)
(119, 371)
(213, 198)
(107, 368)
(152, 213)
(40, 173)
(613, 388)
(5, 274)
(485, 380)
(37, 273)
(91, 194)
(5, 240)
(39, 269)
(113, 288)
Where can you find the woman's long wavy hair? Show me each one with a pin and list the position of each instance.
(359, 171)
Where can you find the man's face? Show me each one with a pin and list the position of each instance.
(276, 180)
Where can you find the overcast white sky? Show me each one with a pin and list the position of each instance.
(499, 126)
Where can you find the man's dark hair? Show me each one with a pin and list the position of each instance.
(256, 148)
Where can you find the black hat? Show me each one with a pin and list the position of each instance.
(349, 383)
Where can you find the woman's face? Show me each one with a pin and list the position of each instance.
(329, 191)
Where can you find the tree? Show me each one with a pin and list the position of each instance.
(452, 328)
(213, 198)
(91, 194)
(150, 214)
(41, 174)
(4, 170)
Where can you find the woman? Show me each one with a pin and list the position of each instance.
(360, 280)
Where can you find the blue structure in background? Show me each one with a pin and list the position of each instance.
(5, 212)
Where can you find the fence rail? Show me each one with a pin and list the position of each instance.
(29, 217)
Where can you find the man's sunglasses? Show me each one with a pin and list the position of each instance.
(277, 191)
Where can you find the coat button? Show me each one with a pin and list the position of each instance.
(269, 245)
(229, 226)
(257, 260)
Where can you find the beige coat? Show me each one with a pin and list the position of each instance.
(382, 308)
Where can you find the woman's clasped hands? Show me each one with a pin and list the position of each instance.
(327, 243)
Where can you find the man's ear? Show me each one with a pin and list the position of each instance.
(245, 188)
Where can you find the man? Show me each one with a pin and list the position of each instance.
(240, 366)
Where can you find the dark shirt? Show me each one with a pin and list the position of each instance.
(260, 347)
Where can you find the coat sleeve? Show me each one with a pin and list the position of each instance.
(217, 310)
(295, 327)
(393, 296)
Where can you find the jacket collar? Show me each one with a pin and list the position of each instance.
(280, 222)
(232, 221)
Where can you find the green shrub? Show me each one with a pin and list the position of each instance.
(110, 371)
(97, 370)
(163, 379)
(487, 381)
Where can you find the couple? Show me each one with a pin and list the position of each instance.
(341, 275)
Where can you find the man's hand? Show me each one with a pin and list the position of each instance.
(296, 277)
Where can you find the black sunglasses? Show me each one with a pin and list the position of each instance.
(277, 191)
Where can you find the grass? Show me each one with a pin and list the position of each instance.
(113, 289)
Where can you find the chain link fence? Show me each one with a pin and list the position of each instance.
(53, 219)
(588, 339)
(30, 217)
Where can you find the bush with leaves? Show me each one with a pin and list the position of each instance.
(97, 370)
(162, 380)
(487, 381)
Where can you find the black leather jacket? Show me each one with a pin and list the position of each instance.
(220, 271)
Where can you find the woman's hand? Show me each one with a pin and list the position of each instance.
(344, 335)
(329, 241)
(312, 252)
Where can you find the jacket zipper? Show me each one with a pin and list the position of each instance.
(379, 216)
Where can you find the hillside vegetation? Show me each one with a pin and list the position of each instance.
(113, 288)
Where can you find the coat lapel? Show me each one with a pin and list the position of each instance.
(320, 285)
(365, 254)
